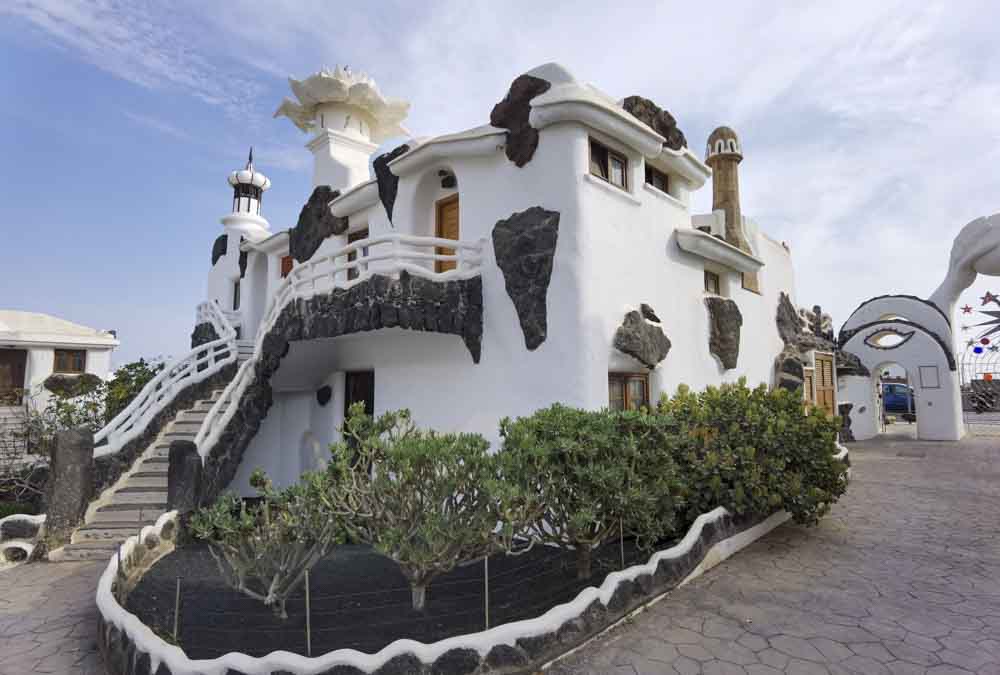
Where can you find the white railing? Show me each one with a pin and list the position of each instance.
(387, 254)
(197, 365)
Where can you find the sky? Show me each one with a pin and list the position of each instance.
(870, 129)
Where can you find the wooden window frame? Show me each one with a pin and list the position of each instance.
(605, 163)
(236, 295)
(286, 265)
(62, 369)
(652, 173)
(624, 378)
(718, 282)
(352, 237)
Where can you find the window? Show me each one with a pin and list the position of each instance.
(236, 295)
(628, 391)
(355, 272)
(608, 165)
(657, 179)
(713, 284)
(71, 361)
(287, 262)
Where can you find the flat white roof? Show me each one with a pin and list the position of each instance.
(18, 327)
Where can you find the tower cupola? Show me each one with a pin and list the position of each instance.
(248, 189)
(349, 117)
(723, 152)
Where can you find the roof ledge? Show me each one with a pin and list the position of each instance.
(712, 248)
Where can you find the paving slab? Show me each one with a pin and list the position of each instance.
(902, 577)
(48, 619)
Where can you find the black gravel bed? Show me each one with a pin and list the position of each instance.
(359, 600)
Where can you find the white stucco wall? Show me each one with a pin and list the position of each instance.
(860, 391)
(615, 251)
(40, 363)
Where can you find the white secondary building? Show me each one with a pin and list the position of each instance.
(35, 346)
(548, 256)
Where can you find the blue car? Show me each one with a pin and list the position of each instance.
(897, 398)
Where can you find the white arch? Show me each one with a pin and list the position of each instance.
(918, 311)
(929, 367)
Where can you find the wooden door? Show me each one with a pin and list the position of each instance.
(447, 228)
(808, 387)
(12, 367)
(826, 386)
(360, 386)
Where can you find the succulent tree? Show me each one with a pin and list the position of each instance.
(428, 501)
(264, 549)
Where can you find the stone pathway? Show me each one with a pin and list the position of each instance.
(903, 577)
(48, 620)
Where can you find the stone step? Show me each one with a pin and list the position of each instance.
(140, 495)
(148, 480)
(193, 416)
(124, 513)
(112, 531)
(97, 550)
(185, 425)
(180, 434)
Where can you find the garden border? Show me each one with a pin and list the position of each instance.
(132, 648)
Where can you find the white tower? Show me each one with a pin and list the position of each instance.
(248, 189)
(349, 116)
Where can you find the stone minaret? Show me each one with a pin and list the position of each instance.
(724, 153)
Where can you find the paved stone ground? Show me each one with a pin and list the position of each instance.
(48, 620)
(902, 577)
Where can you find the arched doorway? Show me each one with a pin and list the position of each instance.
(923, 354)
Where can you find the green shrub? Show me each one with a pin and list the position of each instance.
(126, 384)
(428, 501)
(753, 451)
(595, 472)
(263, 550)
(11, 508)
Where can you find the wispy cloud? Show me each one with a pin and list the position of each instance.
(141, 43)
(869, 127)
(159, 125)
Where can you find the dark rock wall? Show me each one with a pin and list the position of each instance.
(388, 182)
(453, 307)
(658, 119)
(525, 248)
(725, 324)
(203, 333)
(315, 224)
(642, 339)
(512, 114)
(799, 342)
(69, 386)
(527, 655)
(70, 484)
(219, 248)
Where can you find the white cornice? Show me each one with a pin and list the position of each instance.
(273, 244)
(475, 142)
(712, 248)
(326, 137)
(358, 198)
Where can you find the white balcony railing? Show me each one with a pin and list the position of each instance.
(196, 366)
(387, 254)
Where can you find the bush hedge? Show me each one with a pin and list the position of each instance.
(563, 476)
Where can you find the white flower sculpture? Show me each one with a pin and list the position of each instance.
(341, 85)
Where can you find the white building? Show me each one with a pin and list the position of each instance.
(34, 346)
(579, 274)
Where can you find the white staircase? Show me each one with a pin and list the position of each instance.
(138, 498)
